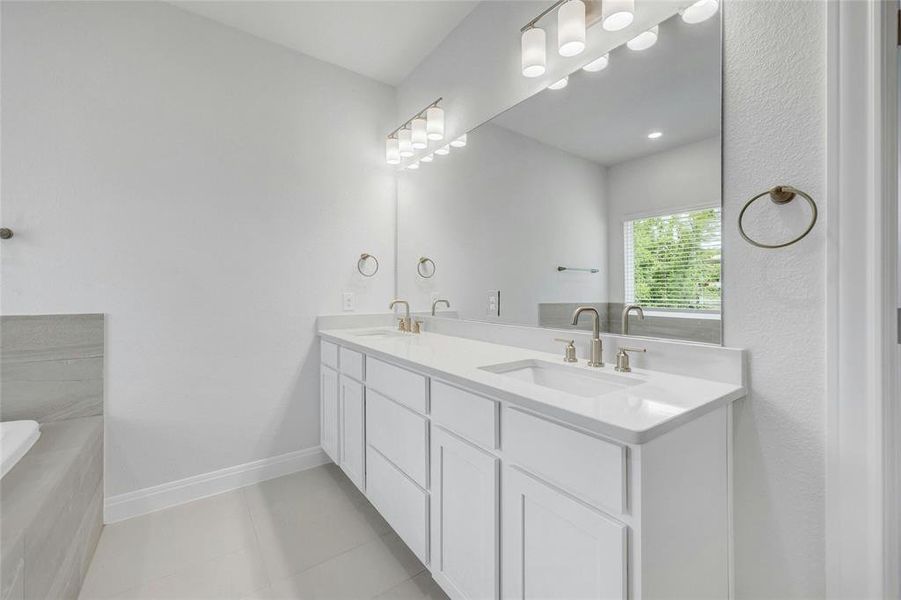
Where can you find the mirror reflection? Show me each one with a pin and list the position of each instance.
(605, 193)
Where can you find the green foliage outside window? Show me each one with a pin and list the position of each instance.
(676, 261)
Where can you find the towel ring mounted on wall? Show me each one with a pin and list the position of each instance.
(781, 194)
(426, 267)
(361, 265)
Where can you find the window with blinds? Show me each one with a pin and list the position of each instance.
(673, 261)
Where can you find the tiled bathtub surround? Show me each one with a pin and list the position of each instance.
(51, 501)
(51, 506)
(51, 367)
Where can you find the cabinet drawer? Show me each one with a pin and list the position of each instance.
(328, 353)
(400, 434)
(586, 466)
(468, 415)
(351, 363)
(404, 505)
(400, 385)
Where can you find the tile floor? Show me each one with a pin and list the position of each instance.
(310, 535)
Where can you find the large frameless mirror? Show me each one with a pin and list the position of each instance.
(605, 192)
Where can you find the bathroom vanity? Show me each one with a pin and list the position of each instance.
(513, 474)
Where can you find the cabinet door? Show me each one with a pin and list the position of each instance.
(352, 431)
(328, 412)
(557, 547)
(465, 528)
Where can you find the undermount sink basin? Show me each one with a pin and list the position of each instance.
(572, 380)
(377, 333)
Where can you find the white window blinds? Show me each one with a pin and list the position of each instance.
(673, 261)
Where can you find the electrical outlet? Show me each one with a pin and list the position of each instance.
(347, 301)
(494, 300)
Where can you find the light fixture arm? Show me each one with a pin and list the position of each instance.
(421, 113)
(541, 15)
(592, 14)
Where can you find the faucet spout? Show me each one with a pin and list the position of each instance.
(595, 356)
(628, 309)
(406, 324)
(437, 302)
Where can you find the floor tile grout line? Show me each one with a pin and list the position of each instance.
(256, 537)
(294, 574)
(182, 567)
(394, 587)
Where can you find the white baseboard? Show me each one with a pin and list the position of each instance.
(173, 493)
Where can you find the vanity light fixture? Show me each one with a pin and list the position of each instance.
(644, 40)
(427, 158)
(459, 142)
(534, 53)
(415, 133)
(654, 135)
(571, 28)
(392, 151)
(699, 11)
(598, 64)
(420, 137)
(573, 19)
(617, 14)
(559, 85)
(434, 116)
(443, 150)
(405, 143)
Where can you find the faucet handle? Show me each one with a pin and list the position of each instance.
(622, 359)
(570, 351)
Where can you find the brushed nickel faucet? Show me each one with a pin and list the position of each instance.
(626, 310)
(436, 302)
(596, 355)
(404, 324)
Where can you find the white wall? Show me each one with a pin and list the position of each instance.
(774, 114)
(774, 300)
(684, 177)
(209, 192)
(501, 214)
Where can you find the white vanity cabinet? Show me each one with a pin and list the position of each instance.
(465, 517)
(328, 412)
(352, 430)
(503, 501)
(556, 546)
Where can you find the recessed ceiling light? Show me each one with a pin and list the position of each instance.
(654, 135)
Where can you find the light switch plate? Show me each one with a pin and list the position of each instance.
(347, 301)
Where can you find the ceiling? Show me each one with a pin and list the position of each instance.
(605, 117)
(381, 40)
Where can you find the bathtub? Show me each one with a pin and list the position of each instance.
(16, 438)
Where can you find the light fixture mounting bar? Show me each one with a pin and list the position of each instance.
(592, 13)
(419, 114)
(541, 15)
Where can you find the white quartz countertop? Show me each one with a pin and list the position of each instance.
(658, 402)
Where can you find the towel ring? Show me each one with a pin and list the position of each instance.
(362, 262)
(422, 267)
(781, 194)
